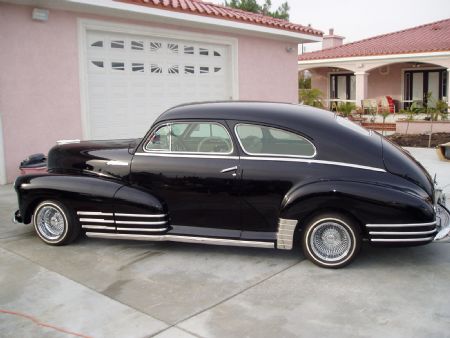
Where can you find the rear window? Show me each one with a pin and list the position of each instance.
(263, 140)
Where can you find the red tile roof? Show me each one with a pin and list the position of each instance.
(432, 37)
(198, 7)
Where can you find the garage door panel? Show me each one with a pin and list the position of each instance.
(132, 79)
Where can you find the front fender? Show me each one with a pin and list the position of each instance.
(75, 191)
(366, 202)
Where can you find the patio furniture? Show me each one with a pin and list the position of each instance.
(370, 106)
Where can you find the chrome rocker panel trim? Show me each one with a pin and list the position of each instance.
(184, 239)
(403, 240)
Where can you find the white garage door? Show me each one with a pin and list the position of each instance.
(133, 79)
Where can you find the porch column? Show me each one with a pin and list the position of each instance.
(361, 87)
(448, 89)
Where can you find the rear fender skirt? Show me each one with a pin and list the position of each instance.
(366, 202)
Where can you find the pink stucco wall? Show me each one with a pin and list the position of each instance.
(39, 81)
(388, 84)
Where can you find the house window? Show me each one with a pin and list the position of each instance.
(424, 87)
(342, 87)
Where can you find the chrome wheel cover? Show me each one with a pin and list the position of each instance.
(50, 222)
(330, 241)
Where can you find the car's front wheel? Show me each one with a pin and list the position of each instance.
(54, 223)
(331, 240)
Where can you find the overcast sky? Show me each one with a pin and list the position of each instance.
(359, 19)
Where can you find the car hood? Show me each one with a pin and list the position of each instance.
(110, 158)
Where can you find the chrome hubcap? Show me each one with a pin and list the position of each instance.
(330, 241)
(50, 222)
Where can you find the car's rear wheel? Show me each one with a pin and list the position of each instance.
(54, 223)
(331, 240)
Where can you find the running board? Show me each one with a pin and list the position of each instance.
(184, 239)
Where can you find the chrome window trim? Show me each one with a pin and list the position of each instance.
(404, 225)
(184, 239)
(283, 159)
(265, 154)
(169, 124)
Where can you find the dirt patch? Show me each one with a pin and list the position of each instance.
(406, 140)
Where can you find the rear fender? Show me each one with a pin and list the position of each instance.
(365, 202)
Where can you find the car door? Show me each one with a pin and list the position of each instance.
(272, 163)
(192, 166)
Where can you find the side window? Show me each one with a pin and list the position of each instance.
(193, 137)
(159, 140)
(262, 140)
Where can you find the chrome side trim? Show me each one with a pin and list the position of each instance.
(140, 215)
(255, 124)
(184, 239)
(120, 163)
(142, 229)
(225, 157)
(96, 220)
(405, 225)
(24, 185)
(94, 213)
(141, 223)
(400, 233)
(285, 234)
(284, 159)
(97, 227)
(60, 142)
(401, 239)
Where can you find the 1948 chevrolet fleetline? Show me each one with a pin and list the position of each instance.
(255, 174)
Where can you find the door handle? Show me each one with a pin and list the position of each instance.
(227, 170)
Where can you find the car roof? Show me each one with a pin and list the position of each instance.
(335, 139)
(264, 112)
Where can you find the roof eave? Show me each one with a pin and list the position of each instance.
(144, 13)
(402, 56)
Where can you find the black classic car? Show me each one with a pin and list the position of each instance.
(265, 175)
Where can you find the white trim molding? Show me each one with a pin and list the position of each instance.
(388, 58)
(85, 25)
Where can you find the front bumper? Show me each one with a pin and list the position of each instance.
(17, 218)
(443, 224)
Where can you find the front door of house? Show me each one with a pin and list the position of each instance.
(425, 86)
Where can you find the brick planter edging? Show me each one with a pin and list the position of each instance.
(422, 127)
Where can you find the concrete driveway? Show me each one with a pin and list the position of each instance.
(106, 288)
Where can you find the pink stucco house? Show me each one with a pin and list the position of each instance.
(98, 69)
(405, 65)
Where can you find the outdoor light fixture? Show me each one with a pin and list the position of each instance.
(40, 14)
(289, 49)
